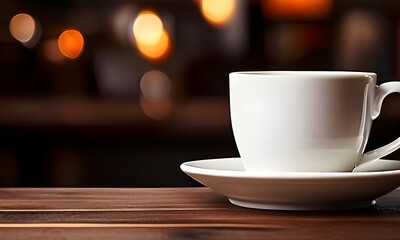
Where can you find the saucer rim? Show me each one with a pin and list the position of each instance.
(188, 168)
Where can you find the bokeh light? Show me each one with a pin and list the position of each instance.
(71, 43)
(155, 86)
(309, 9)
(156, 110)
(155, 100)
(150, 37)
(148, 28)
(25, 29)
(51, 51)
(122, 23)
(158, 50)
(218, 12)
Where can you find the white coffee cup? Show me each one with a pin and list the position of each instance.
(306, 120)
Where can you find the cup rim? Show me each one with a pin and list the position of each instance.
(304, 73)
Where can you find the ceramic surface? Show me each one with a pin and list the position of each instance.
(292, 190)
(306, 121)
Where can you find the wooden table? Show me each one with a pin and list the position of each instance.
(178, 213)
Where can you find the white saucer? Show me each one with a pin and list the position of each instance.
(292, 190)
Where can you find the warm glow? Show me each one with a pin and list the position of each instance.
(155, 101)
(71, 43)
(155, 51)
(155, 86)
(218, 12)
(51, 51)
(22, 27)
(148, 28)
(156, 110)
(297, 8)
(151, 39)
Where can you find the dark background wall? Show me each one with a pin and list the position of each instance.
(87, 121)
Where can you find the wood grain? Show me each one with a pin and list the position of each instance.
(178, 213)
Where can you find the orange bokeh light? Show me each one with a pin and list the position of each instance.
(71, 43)
(155, 51)
(150, 37)
(314, 9)
(217, 12)
(148, 28)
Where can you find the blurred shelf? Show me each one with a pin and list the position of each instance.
(196, 115)
(207, 113)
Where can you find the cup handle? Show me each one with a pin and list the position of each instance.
(381, 92)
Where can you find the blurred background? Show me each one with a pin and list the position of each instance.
(102, 93)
